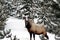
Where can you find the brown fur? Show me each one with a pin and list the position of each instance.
(34, 28)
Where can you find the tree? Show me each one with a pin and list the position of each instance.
(46, 10)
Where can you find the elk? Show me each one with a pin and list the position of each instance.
(34, 28)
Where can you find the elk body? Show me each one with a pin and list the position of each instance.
(34, 28)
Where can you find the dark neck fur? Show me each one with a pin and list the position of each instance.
(27, 25)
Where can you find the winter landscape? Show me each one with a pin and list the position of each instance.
(12, 13)
(18, 28)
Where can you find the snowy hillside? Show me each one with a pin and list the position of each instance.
(17, 27)
(47, 11)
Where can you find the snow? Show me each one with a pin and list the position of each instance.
(17, 27)
(54, 24)
(20, 6)
(51, 36)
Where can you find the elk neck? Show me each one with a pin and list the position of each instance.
(27, 24)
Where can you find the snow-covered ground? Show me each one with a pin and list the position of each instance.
(17, 27)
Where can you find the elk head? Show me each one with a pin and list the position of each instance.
(27, 23)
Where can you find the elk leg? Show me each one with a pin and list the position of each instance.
(46, 36)
(34, 36)
(30, 36)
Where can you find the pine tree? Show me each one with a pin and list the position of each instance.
(4, 11)
(46, 10)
